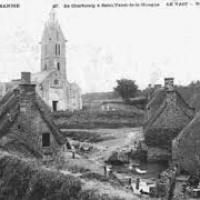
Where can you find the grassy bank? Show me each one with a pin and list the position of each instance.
(104, 119)
(92, 136)
(24, 180)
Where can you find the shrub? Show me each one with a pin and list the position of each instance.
(93, 195)
(112, 179)
(25, 180)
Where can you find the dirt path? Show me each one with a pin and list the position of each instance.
(121, 139)
(124, 140)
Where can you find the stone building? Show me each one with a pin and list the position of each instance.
(26, 124)
(51, 82)
(186, 147)
(167, 114)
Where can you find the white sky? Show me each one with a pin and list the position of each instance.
(105, 44)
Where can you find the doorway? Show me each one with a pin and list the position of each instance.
(45, 139)
(55, 105)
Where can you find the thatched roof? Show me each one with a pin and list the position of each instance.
(158, 104)
(9, 112)
(157, 99)
(159, 96)
(193, 128)
(186, 146)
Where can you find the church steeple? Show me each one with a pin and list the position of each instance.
(52, 15)
(53, 46)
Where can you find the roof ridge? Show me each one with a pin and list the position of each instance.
(5, 107)
(156, 115)
(186, 127)
(6, 96)
(185, 112)
(155, 95)
(183, 100)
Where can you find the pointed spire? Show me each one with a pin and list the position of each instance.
(52, 15)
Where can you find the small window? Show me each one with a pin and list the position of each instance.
(19, 127)
(56, 82)
(45, 139)
(58, 66)
(57, 49)
(55, 105)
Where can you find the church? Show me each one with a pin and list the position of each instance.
(51, 82)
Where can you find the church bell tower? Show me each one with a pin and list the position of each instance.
(53, 47)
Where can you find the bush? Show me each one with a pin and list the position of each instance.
(93, 195)
(25, 180)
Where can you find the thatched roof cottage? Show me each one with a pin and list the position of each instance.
(168, 114)
(26, 124)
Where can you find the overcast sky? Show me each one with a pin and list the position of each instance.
(105, 44)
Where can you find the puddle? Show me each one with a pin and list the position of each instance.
(152, 169)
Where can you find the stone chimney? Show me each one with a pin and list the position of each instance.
(25, 77)
(27, 97)
(169, 84)
(171, 95)
(27, 91)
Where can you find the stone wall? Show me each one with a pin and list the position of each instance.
(55, 92)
